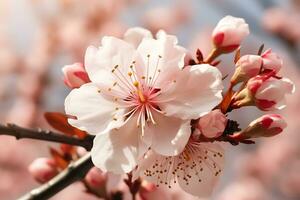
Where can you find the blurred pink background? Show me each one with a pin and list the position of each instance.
(38, 37)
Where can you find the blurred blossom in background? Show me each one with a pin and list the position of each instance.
(38, 37)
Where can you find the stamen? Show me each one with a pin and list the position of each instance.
(156, 69)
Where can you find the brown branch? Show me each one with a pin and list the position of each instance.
(75, 172)
(19, 133)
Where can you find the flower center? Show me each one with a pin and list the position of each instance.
(134, 89)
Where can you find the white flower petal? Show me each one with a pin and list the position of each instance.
(118, 150)
(93, 112)
(100, 62)
(169, 135)
(135, 35)
(161, 56)
(197, 90)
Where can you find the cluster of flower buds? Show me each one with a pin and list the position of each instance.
(264, 88)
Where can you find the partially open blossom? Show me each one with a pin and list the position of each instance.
(140, 96)
(271, 61)
(43, 169)
(75, 75)
(266, 92)
(247, 67)
(212, 124)
(229, 33)
(96, 179)
(265, 126)
(197, 169)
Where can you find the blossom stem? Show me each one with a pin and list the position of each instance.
(75, 172)
(45, 135)
(213, 55)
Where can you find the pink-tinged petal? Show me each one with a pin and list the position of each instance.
(118, 150)
(114, 52)
(169, 135)
(135, 35)
(203, 184)
(197, 90)
(93, 113)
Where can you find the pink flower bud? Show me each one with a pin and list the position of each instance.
(75, 75)
(96, 179)
(265, 91)
(265, 126)
(212, 124)
(229, 33)
(43, 169)
(247, 67)
(271, 61)
(270, 95)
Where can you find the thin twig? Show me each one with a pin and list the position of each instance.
(75, 172)
(19, 133)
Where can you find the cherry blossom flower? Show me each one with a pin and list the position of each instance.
(140, 95)
(196, 169)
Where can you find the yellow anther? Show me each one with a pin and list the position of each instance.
(129, 73)
(136, 84)
(143, 77)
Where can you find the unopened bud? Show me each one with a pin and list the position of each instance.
(265, 91)
(212, 124)
(229, 33)
(271, 61)
(247, 67)
(43, 169)
(96, 179)
(265, 126)
(75, 75)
